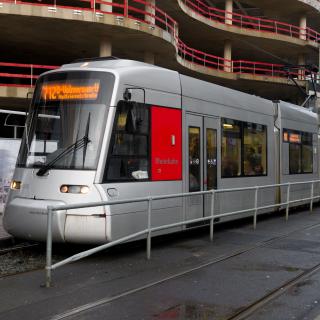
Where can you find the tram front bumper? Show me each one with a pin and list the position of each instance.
(27, 219)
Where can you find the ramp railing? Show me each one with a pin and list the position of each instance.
(143, 12)
(148, 232)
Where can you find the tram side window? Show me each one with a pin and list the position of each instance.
(244, 149)
(300, 151)
(129, 148)
(255, 149)
(231, 148)
(307, 153)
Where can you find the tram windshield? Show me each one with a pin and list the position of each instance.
(66, 121)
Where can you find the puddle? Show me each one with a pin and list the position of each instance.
(188, 312)
(298, 288)
(291, 269)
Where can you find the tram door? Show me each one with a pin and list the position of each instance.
(202, 163)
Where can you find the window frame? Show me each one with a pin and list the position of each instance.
(242, 123)
(301, 144)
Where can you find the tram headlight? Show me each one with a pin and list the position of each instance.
(74, 189)
(84, 189)
(64, 189)
(15, 185)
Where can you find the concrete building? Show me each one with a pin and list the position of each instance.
(256, 46)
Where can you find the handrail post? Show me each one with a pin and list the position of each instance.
(126, 8)
(288, 201)
(31, 75)
(49, 248)
(212, 215)
(149, 228)
(255, 208)
(312, 194)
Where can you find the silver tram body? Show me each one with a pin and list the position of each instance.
(134, 130)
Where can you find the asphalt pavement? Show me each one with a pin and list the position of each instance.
(188, 277)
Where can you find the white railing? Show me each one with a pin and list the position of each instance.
(149, 230)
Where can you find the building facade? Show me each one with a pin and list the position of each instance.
(267, 48)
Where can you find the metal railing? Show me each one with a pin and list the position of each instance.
(150, 230)
(251, 23)
(142, 11)
(21, 74)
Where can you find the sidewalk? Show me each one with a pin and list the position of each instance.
(188, 277)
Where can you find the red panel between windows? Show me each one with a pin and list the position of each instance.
(166, 144)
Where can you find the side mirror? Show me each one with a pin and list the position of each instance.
(127, 95)
(15, 120)
(135, 94)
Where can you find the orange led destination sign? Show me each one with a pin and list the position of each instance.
(295, 137)
(69, 91)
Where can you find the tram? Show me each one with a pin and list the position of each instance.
(112, 129)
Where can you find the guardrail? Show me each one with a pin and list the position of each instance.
(250, 22)
(24, 74)
(148, 232)
(143, 11)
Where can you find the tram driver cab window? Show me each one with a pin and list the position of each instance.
(128, 158)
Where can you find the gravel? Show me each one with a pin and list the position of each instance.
(21, 261)
(28, 259)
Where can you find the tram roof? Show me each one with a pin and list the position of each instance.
(223, 96)
(111, 64)
(293, 112)
(133, 72)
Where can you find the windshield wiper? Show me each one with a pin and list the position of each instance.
(86, 135)
(81, 143)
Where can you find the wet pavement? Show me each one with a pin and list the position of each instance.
(188, 277)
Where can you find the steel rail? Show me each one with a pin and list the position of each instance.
(253, 307)
(17, 247)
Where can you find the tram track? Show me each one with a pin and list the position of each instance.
(241, 314)
(20, 246)
(258, 304)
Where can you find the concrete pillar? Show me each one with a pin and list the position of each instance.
(301, 61)
(303, 27)
(149, 57)
(106, 7)
(229, 11)
(228, 56)
(150, 9)
(105, 48)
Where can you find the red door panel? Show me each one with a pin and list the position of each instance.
(166, 144)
